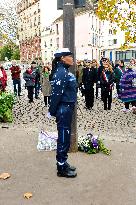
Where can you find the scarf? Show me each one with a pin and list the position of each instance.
(105, 77)
(46, 74)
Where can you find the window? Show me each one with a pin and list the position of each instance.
(128, 54)
(92, 21)
(57, 42)
(57, 28)
(96, 24)
(110, 42)
(110, 31)
(125, 55)
(93, 40)
(114, 41)
(51, 42)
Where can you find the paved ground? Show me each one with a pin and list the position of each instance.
(102, 180)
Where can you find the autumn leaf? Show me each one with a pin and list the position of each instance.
(5, 176)
(28, 195)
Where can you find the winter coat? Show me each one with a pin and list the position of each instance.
(89, 77)
(118, 72)
(45, 83)
(3, 78)
(37, 75)
(99, 72)
(106, 80)
(29, 77)
(79, 74)
(15, 72)
(63, 88)
(128, 86)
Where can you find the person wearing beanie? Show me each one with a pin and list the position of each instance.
(62, 102)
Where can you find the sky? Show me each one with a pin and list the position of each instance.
(49, 11)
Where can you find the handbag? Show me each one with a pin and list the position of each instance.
(47, 141)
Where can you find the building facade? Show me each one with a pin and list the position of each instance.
(113, 42)
(29, 29)
(88, 37)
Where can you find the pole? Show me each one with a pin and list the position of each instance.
(69, 42)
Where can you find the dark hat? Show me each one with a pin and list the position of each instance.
(62, 52)
(104, 59)
(33, 62)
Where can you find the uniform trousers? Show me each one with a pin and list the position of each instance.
(63, 120)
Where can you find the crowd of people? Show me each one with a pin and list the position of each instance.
(104, 75)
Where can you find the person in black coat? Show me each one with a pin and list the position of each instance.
(88, 79)
(62, 102)
(107, 80)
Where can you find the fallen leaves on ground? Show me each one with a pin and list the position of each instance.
(28, 195)
(5, 176)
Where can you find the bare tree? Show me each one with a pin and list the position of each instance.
(8, 19)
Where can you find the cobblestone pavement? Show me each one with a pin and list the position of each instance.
(113, 124)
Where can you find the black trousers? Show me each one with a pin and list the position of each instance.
(133, 103)
(118, 88)
(89, 97)
(30, 93)
(107, 98)
(97, 89)
(63, 119)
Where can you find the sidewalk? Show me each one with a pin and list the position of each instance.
(101, 180)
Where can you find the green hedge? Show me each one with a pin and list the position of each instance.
(6, 106)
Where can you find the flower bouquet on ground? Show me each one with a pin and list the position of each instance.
(92, 144)
(6, 106)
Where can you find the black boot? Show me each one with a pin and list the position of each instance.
(64, 171)
(72, 168)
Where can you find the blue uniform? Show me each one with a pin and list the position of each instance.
(62, 101)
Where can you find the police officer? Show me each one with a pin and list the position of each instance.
(62, 102)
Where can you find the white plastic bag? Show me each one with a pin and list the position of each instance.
(47, 141)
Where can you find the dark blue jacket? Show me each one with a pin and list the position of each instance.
(63, 88)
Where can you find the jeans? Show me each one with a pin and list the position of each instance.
(37, 89)
(17, 86)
